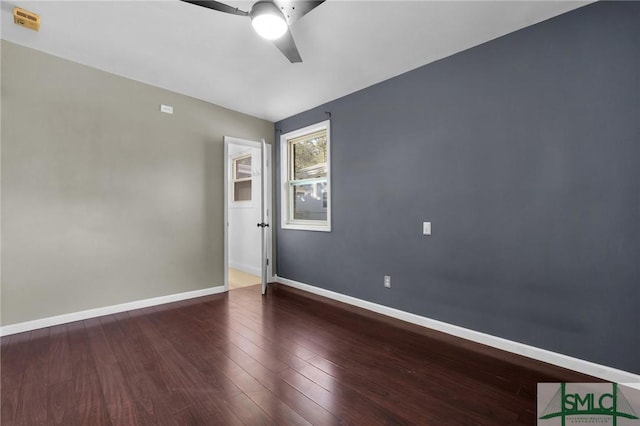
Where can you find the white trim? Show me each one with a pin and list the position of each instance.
(565, 361)
(285, 199)
(106, 310)
(266, 180)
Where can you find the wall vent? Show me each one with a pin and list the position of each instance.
(26, 19)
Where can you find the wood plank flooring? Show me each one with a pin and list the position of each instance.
(238, 358)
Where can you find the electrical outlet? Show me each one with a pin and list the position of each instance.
(387, 281)
(426, 228)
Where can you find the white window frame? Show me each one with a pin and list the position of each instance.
(286, 205)
(234, 180)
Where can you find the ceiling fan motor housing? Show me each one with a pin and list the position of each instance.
(268, 20)
(265, 7)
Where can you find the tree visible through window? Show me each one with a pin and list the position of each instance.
(310, 156)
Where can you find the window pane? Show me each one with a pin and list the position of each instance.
(242, 168)
(309, 201)
(310, 156)
(242, 191)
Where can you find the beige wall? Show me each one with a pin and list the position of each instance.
(105, 200)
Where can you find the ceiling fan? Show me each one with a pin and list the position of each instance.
(271, 19)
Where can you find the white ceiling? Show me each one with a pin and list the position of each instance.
(346, 45)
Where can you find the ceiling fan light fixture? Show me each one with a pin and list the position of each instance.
(267, 20)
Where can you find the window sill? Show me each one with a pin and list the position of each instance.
(307, 227)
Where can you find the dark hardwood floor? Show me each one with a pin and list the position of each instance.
(239, 358)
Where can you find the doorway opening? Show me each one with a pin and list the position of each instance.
(247, 206)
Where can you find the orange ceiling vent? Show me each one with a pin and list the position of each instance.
(26, 19)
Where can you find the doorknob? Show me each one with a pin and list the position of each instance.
(263, 225)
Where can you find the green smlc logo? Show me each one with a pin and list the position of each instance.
(566, 404)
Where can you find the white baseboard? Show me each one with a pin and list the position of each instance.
(586, 367)
(106, 310)
(245, 268)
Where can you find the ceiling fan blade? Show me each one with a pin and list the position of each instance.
(220, 7)
(288, 47)
(296, 9)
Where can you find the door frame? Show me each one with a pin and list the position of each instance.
(228, 140)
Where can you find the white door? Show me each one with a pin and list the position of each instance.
(254, 237)
(265, 219)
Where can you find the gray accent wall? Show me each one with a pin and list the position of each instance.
(524, 153)
(105, 200)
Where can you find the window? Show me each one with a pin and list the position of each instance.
(242, 174)
(305, 176)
